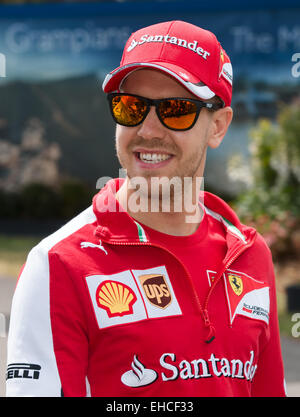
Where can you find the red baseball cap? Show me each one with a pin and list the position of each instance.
(190, 54)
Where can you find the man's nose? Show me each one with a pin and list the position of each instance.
(151, 126)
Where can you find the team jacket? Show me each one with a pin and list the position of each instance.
(85, 318)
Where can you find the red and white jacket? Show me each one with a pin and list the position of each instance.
(85, 318)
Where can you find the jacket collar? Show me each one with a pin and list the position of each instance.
(115, 225)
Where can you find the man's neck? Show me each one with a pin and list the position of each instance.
(172, 222)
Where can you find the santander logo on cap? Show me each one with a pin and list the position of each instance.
(190, 54)
(193, 46)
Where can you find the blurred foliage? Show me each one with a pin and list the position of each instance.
(39, 201)
(75, 197)
(271, 201)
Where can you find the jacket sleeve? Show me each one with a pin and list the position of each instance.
(36, 363)
(269, 379)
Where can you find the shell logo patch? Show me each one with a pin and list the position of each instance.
(156, 289)
(236, 283)
(132, 295)
(115, 298)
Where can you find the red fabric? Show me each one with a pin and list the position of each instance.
(195, 251)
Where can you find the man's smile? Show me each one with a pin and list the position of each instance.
(152, 158)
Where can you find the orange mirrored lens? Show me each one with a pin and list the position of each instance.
(178, 114)
(128, 110)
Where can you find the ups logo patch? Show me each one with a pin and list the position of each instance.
(156, 289)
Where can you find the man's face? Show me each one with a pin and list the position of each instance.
(178, 153)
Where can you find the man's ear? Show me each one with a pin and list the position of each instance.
(221, 120)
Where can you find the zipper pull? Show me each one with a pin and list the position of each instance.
(207, 323)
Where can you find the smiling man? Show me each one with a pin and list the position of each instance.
(165, 145)
(133, 302)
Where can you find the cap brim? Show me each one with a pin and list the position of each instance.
(113, 80)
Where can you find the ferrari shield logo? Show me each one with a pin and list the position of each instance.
(236, 283)
(156, 289)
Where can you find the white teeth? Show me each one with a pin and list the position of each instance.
(153, 157)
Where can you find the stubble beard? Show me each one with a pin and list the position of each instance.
(176, 186)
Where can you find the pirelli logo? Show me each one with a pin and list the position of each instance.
(156, 289)
(23, 370)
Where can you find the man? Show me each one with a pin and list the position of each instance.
(135, 297)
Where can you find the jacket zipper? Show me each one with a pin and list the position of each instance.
(203, 311)
(227, 264)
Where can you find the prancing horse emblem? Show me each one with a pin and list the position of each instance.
(236, 283)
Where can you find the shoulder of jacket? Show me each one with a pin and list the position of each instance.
(261, 245)
(261, 257)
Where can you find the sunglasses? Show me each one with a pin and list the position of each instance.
(174, 113)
